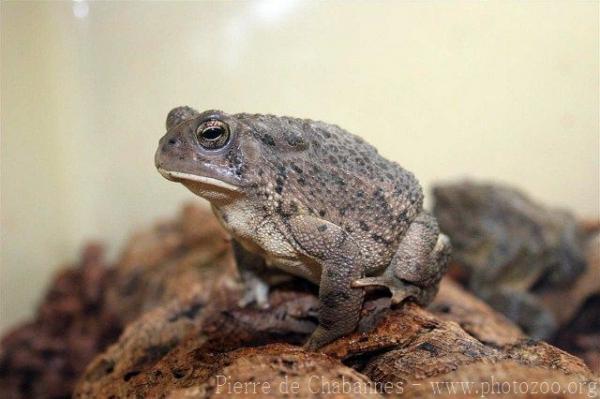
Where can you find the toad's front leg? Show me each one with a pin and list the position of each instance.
(329, 246)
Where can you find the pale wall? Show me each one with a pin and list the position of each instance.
(498, 90)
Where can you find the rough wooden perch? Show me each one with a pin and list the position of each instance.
(175, 291)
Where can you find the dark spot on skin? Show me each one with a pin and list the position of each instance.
(360, 194)
(296, 168)
(235, 162)
(338, 180)
(363, 226)
(286, 210)
(294, 139)
(279, 183)
(378, 238)
(268, 139)
(326, 134)
(403, 215)
(334, 299)
(322, 213)
(260, 172)
(280, 211)
(301, 181)
(322, 227)
(280, 169)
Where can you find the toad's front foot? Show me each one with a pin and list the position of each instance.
(256, 291)
(319, 338)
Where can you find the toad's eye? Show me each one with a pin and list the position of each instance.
(213, 134)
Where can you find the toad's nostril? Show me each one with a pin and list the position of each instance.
(172, 141)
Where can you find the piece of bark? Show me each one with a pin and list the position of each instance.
(580, 334)
(474, 316)
(176, 289)
(44, 357)
(160, 263)
(526, 260)
(586, 286)
(408, 347)
(393, 349)
(88, 305)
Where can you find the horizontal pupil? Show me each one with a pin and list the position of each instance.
(212, 133)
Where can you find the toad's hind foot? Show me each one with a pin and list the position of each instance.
(401, 293)
(399, 289)
(370, 281)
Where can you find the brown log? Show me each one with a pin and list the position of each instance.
(175, 289)
(220, 348)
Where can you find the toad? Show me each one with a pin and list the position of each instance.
(312, 200)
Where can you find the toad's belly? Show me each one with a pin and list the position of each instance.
(262, 237)
(305, 269)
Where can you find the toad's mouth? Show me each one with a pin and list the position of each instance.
(202, 182)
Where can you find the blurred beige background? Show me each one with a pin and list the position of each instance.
(495, 90)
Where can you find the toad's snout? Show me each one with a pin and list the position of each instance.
(169, 149)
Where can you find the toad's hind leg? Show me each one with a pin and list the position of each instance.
(418, 265)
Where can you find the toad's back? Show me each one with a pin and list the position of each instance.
(326, 171)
